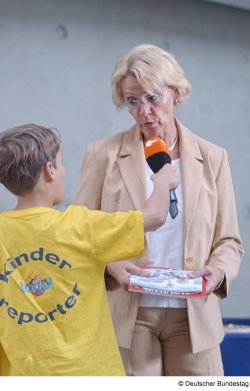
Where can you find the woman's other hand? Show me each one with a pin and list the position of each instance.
(213, 275)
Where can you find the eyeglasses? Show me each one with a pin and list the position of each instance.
(148, 101)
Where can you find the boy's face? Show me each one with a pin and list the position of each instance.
(59, 183)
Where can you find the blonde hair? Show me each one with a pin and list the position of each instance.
(154, 69)
(24, 150)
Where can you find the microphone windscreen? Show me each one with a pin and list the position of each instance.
(156, 153)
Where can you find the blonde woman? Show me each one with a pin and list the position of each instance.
(161, 336)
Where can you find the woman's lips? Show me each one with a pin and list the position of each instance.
(149, 124)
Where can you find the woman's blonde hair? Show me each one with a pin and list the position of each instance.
(154, 69)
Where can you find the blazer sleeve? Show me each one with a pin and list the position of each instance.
(227, 250)
(89, 191)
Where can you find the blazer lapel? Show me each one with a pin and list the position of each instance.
(132, 160)
(192, 173)
(132, 166)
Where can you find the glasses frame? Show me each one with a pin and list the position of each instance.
(134, 104)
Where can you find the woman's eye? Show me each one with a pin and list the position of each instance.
(133, 102)
(152, 98)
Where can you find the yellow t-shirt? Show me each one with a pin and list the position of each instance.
(54, 315)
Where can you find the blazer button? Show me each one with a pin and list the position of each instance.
(189, 260)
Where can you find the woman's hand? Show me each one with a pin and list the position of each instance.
(121, 271)
(213, 275)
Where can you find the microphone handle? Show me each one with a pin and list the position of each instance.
(173, 209)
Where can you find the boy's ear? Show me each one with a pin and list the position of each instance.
(49, 171)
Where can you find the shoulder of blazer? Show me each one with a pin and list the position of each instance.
(117, 145)
(110, 149)
(201, 148)
(212, 154)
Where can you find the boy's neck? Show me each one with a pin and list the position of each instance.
(32, 201)
(26, 205)
(43, 194)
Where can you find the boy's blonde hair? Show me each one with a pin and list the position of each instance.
(154, 69)
(24, 150)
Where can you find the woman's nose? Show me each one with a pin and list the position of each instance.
(144, 108)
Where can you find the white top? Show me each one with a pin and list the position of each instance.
(166, 246)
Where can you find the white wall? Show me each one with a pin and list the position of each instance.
(56, 61)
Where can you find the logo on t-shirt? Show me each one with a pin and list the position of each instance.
(37, 285)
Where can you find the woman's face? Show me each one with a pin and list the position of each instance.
(153, 113)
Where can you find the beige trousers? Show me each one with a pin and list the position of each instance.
(161, 346)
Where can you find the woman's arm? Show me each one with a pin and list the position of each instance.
(227, 251)
(89, 191)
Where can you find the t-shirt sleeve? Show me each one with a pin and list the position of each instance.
(117, 236)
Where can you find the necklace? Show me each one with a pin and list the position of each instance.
(174, 143)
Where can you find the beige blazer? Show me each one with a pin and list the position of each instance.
(113, 178)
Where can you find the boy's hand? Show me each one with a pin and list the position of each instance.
(121, 271)
(167, 174)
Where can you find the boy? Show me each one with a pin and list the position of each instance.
(54, 316)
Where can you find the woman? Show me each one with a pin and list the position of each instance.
(159, 335)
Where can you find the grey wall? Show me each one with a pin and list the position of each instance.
(57, 57)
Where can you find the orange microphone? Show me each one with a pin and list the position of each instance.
(157, 154)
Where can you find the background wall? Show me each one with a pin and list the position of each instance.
(57, 57)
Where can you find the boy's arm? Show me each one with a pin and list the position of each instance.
(156, 208)
(154, 213)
